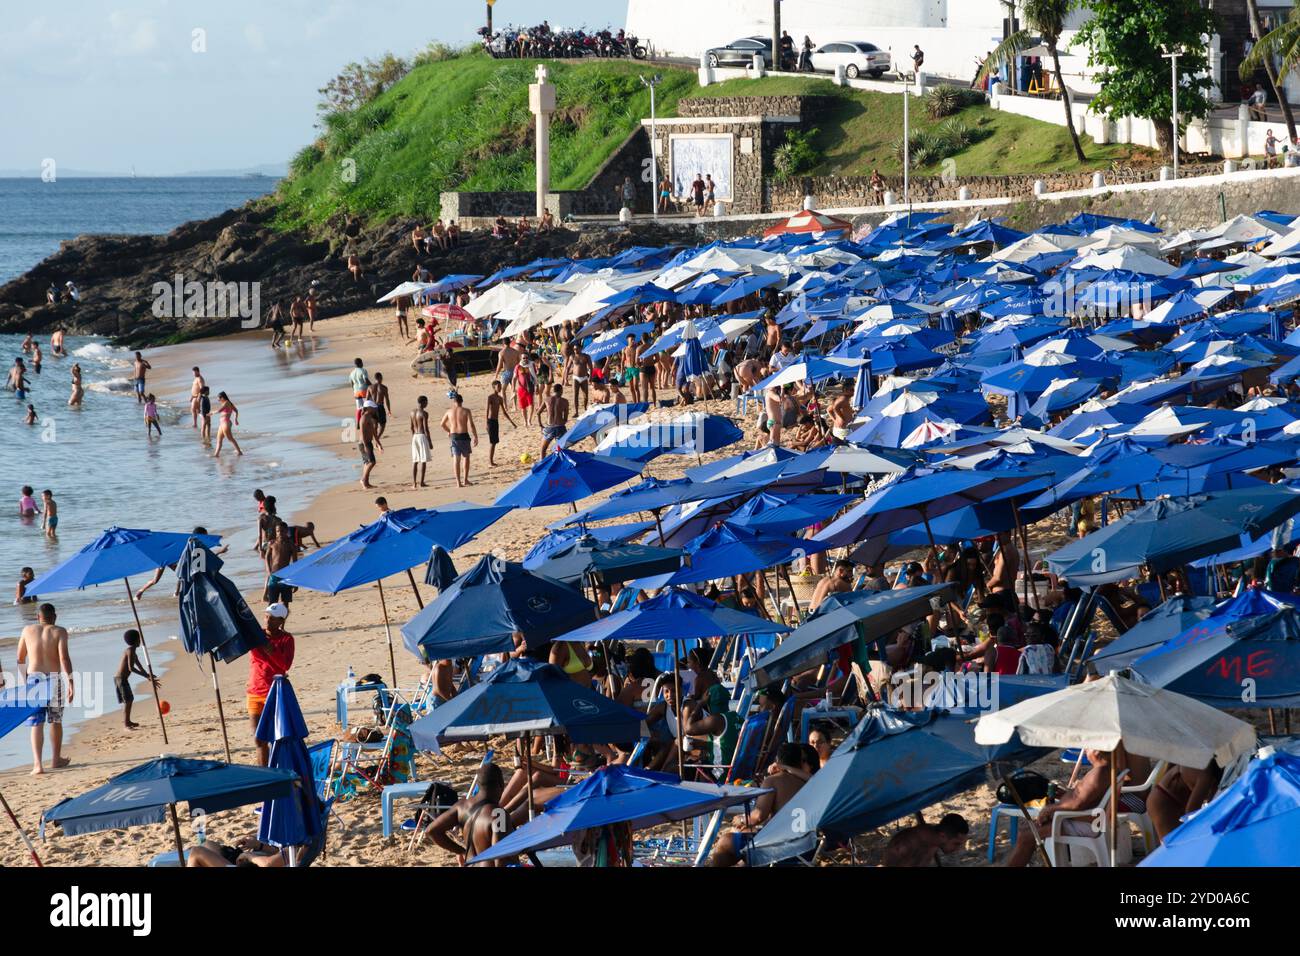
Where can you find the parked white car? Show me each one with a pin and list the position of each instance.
(857, 57)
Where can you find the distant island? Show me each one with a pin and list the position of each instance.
(265, 170)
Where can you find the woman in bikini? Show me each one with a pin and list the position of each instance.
(74, 400)
(227, 417)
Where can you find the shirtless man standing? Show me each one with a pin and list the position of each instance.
(43, 653)
(581, 378)
(557, 418)
(378, 393)
(1006, 565)
(507, 359)
(196, 392)
(772, 406)
(482, 820)
(458, 423)
(784, 779)
(632, 367)
(841, 415)
(421, 442)
(141, 366)
(369, 439)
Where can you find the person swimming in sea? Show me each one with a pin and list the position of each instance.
(151, 415)
(51, 509)
(17, 381)
(74, 400)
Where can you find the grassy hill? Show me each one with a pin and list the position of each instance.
(861, 130)
(464, 123)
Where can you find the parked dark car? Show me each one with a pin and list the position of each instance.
(741, 52)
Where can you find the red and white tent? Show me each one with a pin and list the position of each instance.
(810, 221)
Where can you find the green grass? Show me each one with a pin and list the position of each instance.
(860, 132)
(464, 124)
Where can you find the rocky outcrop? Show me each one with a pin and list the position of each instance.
(120, 277)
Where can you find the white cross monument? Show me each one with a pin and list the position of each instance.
(541, 100)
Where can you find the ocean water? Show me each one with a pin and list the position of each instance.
(35, 216)
(104, 471)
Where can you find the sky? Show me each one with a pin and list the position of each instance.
(176, 86)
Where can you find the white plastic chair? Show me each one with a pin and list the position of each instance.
(1096, 842)
(1141, 819)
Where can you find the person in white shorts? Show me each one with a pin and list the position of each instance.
(421, 442)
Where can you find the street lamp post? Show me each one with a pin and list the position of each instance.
(907, 147)
(1173, 63)
(652, 82)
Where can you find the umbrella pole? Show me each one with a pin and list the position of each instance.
(677, 703)
(1114, 809)
(388, 630)
(526, 746)
(418, 600)
(221, 711)
(660, 525)
(798, 613)
(176, 832)
(1024, 540)
(148, 664)
(767, 588)
(1029, 820)
(21, 832)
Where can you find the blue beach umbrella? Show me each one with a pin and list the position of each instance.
(894, 763)
(555, 541)
(692, 433)
(17, 706)
(521, 698)
(876, 613)
(1158, 625)
(565, 476)
(673, 615)
(725, 550)
(1248, 662)
(295, 819)
(116, 554)
(615, 340)
(1254, 822)
(617, 794)
(397, 542)
(586, 560)
(487, 605)
(215, 618)
(150, 792)
(600, 417)
(787, 514)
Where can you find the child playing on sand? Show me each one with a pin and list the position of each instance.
(51, 513)
(151, 415)
(122, 681)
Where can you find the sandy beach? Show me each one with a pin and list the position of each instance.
(335, 632)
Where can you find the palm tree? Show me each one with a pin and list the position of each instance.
(1284, 43)
(1047, 19)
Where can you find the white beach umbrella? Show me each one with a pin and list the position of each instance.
(1036, 244)
(1134, 260)
(1119, 237)
(495, 299)
(405, 289)
(532, 309)
(1102, 714)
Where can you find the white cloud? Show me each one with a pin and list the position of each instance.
(132, 36)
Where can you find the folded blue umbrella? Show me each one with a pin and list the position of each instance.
(440, 571)
(483, 609)
(673, 615)
(1247, 662)
(115, 555)
(724, 550)
(397, 542)
(523, 697)
(215, 618)
(144, 794)
(892, 764)
(295, 819)
(1254, 822)
(617, 794)
(565, 476)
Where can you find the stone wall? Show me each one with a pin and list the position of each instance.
(751, 149)
(724, 106)
(833, 192)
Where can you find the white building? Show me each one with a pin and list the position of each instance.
(954, 34)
